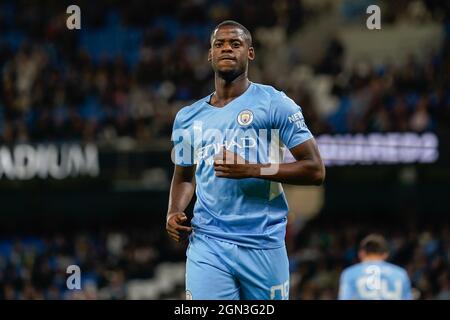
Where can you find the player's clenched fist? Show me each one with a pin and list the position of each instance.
(230, 165)
(175, 228)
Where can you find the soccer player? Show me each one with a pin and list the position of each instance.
(373, 278)
(225, 149)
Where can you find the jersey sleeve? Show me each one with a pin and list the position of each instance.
(345, 287)
(287, 117)
(182, 152)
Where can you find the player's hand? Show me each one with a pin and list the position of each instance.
(230, 165)
(175, 228)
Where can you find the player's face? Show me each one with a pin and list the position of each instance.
(230, 52)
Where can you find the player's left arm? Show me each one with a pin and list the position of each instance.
(308, 169)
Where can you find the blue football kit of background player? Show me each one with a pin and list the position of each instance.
(237, 248)
(374, 280)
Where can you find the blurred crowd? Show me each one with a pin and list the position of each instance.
(114, 262)
(133, 65)
(36, 266)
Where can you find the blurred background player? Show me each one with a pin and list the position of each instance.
(237, 247)
(374, 278)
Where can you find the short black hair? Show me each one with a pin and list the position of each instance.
(236, 24)
(374, 243)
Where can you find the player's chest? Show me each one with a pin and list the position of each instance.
(237, 117)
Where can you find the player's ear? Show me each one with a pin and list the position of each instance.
(209, 55)
(251, 53)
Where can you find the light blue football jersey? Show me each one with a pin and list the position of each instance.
(249, 212)
(374, 280)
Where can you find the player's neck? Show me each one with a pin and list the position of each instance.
(373, 258)
(227, 91)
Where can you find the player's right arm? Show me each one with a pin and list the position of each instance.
(181, 192)
(183, 181)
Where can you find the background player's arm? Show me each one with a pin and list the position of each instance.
(308, 169)
(406, 288)
(181, 191)
(345, 288)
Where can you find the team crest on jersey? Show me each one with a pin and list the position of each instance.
(245, 117)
